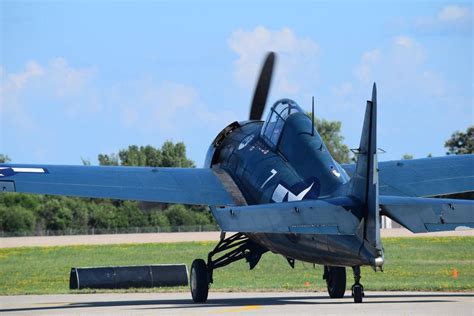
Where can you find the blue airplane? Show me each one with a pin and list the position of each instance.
(275, 184)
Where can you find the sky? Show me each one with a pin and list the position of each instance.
(79, 78)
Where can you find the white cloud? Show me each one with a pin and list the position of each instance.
(296, 66)
(369, 60)
(450, 18)
(154, 106)
(56, 77)
(70, 92)
(11, 86)
(166, 107)
(404, 41)
(42, 101)
(170, 102)
(453, 13)
(416, 101)
(400, 66)
(17, 81)
(56, 81)
(66, 80)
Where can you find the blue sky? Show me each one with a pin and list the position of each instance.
(79, 78)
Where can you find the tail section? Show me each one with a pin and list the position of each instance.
(364, 183)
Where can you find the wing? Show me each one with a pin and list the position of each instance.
(425, 177)
(168, 185)
(302, 217)
(421, 215)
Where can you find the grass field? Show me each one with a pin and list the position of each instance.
(411, 264)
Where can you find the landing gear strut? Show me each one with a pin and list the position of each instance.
(240, 247)
(357, 288)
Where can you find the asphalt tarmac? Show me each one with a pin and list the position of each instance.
(375, 303)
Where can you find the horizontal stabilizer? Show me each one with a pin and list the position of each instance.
(168, 185)
(422, 215)
(302, 217)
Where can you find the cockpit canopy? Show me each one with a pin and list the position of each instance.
(279, 112)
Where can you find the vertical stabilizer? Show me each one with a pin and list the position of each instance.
(364, 183)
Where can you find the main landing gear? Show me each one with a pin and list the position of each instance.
(238, 246)
(336, 282)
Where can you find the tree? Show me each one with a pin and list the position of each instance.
(330, 132)
(133, 156)
(102, 215)
(461, 143)
(407, 157)
(157, 218)
(178, 215)
(108, 160)
(16, 219)
(56, 214)
(143, 213)
(132, 215)
(4, 158)
(174, 155)
(85, 162)
(170, 155)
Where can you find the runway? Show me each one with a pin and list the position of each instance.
(375, 303)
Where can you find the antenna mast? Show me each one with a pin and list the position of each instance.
(312, 117)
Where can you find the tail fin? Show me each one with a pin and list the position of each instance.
(364, 183)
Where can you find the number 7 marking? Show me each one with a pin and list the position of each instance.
(273, 172)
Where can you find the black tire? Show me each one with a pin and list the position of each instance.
(335, 281)
(357, 292)
(199, 281)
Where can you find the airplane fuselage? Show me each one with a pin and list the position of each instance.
(296, 166)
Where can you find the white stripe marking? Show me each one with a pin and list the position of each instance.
(29, 170)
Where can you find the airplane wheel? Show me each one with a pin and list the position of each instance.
(199, 281)
(336, 281)
(357, 293)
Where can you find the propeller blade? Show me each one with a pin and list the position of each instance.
(261, 90)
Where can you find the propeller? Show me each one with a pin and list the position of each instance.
(263, 86)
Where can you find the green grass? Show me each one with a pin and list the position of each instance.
(411, 264)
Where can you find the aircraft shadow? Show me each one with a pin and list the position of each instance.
(241, 302)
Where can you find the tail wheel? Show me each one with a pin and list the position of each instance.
(357, 292)
(335, 281)
(199, 281)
